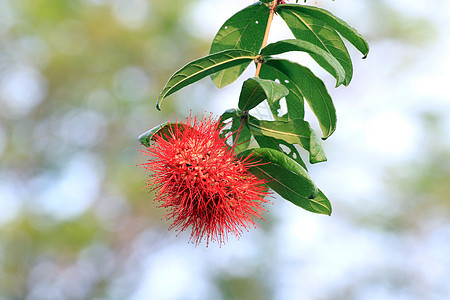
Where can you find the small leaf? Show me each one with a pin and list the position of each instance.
(164, 129)
(294, 131)
(288, 179)
(317, 32)
(312, 88)
(348, 32)
(255, 90)
(244, 137)
(244, 30)
(299, 45)
(200, 68)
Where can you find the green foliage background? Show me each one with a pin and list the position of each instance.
(78, 81)
(73, 139)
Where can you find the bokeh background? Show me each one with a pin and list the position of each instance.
(78, 83)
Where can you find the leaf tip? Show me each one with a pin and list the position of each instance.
(143, 139)
(317, 159)
(328, 134)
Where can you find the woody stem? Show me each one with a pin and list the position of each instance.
(266, 34)
(258, 69)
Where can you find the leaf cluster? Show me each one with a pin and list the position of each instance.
(238, 43)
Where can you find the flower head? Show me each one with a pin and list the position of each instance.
(202, 183)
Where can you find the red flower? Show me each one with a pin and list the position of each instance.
(202, 183)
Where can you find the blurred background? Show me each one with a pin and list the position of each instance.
(78, 83)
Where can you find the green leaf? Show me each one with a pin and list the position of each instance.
(244, 137)
(294, 131)
(265, 141)
(200, 68)
(312, 88)
(255, 90)
(163, 130)
(299, 45)
(281, 159)
(308, 28)
(288, 179)
(244, 30)
(321, 203)
(294, 100)
(348, 32)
